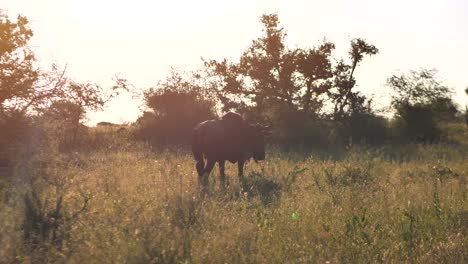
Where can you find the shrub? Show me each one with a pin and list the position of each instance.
(176, 107)
(416, 123)
(367, 128)
(16, 132)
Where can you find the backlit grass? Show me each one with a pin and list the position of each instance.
(131, 205)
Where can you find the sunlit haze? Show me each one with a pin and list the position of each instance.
(141, 40)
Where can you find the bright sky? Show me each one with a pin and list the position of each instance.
(142, 39)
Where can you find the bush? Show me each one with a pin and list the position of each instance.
(416, 123)
(367, 128)
(173, 125)
(295, 130)
(176, 107)
(16, 131)
(310, 134)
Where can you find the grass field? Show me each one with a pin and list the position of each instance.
(128, 204)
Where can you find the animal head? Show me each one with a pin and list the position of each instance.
(252, 136)
(255, 137)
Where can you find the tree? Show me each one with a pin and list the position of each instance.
(417, 87)
(17, 72)
(177, 105)
(22, 84)
(290, 87)
(65, 111)
(271, 77)
(420, 100)
(422, 88)
(345, 100)
(68, 108)
(62, 122)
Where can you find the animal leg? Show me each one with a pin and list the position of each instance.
(240, 166)
(200, 167)
(222, 175)
(204, 178)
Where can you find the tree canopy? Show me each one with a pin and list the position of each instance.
(18, 73)
(269, 76)
(417, 87)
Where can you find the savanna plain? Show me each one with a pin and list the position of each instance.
(123, 202)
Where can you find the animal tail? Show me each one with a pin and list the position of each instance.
(196, 142)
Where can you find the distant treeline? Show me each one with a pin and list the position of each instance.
(307, 95)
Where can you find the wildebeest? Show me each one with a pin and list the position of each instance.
(229, 138)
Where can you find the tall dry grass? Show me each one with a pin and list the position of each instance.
(128, 204)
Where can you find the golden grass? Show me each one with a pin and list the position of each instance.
(146, 207)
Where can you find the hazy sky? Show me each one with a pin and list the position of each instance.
(142, 39)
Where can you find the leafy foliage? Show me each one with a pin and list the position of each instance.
(417, 87)
(177, 105)
(290, 87)
(17, 71)
(420, 100)
(345, 100)
(27, 92)
(272, 77)
(23, 86)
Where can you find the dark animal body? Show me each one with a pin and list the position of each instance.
(229, 138)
